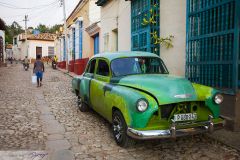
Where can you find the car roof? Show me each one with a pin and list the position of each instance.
(114, 55)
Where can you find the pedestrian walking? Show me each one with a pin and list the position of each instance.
(38, 69)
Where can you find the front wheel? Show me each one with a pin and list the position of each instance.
(119, 129)
(81, 105)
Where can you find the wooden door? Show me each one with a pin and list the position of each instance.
(38, 51)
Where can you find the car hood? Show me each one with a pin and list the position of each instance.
(165, 88)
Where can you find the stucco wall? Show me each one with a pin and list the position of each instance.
(44, 44)
(173, 22)
(116, 14)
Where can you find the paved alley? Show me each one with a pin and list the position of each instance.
(45, 123)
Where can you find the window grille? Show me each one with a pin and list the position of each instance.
(50, 51)
(141, 34)
(213, 43)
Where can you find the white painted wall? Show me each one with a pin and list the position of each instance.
(2, 34)
(173, 22)
(44, 44)
(57, 48)
(116, 15)
(20, 49)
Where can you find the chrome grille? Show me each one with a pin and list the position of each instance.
(167, 111)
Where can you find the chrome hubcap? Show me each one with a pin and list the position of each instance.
(117, 128)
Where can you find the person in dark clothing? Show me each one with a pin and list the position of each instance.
(38, 69)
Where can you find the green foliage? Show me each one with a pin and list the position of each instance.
(151, 20)
(42, 28)
(11, 31)
(167, 41)
(45, 29)
(55, 28)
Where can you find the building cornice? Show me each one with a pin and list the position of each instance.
(93, 29)
(72, 17)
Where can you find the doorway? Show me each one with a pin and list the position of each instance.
(38, 51)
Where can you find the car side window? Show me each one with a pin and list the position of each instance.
(103, 68)
(91, 66)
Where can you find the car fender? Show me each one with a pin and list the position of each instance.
(125, 99)
(205, 93)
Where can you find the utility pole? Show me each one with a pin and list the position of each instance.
(26, 19)
(65, 30)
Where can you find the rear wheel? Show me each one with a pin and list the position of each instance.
(119, 129)
(81, 105)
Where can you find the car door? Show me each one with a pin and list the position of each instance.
(101, 78)
(86, 82)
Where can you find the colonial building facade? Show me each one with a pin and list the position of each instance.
(40, 44)
(82, 17)
(83, 35)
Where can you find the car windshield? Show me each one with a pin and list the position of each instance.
(138, 65)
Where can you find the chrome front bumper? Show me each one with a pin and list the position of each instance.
(172, 132)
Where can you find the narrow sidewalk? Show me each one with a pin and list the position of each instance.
(57, 146)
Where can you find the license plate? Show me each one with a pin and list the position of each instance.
(185, 117)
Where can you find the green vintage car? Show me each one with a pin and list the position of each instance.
(134, 91)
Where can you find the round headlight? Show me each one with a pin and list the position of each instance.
(142, 105)
(218, 99)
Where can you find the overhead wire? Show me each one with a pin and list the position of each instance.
(8, 5)
(38, 12)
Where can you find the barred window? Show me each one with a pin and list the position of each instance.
(50, 51)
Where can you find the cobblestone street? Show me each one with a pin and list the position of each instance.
(47, 120)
